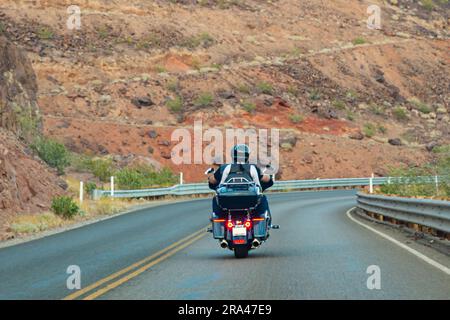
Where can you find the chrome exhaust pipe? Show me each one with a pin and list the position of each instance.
(256, 243)
(224, 244)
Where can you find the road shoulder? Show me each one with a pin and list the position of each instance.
(431, 248)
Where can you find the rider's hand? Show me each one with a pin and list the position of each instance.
(212, 179)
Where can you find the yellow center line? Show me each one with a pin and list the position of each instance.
(131, 267)
(142, 269)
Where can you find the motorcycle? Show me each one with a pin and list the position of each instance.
(239, 227)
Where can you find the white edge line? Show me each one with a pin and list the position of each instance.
(428, 260)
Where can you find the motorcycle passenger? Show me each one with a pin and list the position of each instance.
(240, 155)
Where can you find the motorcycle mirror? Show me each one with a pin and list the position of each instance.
(210, 170)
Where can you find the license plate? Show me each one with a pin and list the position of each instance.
(239, 231)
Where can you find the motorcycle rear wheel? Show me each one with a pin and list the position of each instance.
(241, 252)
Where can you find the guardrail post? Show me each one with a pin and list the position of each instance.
(112, 186)
(81, 192)
(437, 184)
(181, 177)
(371, 184)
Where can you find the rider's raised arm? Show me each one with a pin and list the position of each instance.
(265, 179)
(214, 179)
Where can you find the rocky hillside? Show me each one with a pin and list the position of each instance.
(26, 184)
(349, 100)
(18, 89)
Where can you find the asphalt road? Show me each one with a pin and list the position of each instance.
(318, 253)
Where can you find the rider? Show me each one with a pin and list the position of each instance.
(240, 154)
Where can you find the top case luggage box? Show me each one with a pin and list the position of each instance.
(242, 197)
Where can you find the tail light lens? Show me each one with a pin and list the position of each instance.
(230, 224)
(258, 219)
(248, 224)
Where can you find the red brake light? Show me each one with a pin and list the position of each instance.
(230, 224)
(248, 224)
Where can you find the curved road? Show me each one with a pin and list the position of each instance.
(318, 253)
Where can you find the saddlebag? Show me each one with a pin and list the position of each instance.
(218, 227)
(259, 229)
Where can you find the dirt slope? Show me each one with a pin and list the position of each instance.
(103, 88)
(26, 183)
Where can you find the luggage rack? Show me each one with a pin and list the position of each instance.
(240, 183)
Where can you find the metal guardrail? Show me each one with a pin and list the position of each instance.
(430, 213)
(202, 188)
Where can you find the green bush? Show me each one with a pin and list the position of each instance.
(250, 107)
(89, 187)
(173, 85)
(52, 152)
(65, 207)
(420, 106)
(45, 33)
(144, 177)
(376, 109)
(175, 105)
(296, 118)
(160, 69)
(102, 169)
(406, 182)
(339, 104)
(402, 183)
(424, 108)
(203, 39)
(369, 130)
(315, 95)
(443, 159)
(352, 95)
(204, 100)
(445, 149)
(359, 41)
(264, 87)
(400, 114)
(428, 4)
(28, 126)
(129, 179)
(382, 129)
(79, 162)
(243, 88)
(350, 116)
